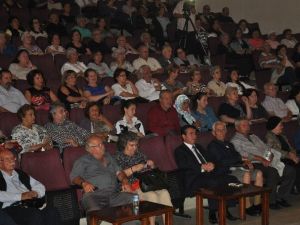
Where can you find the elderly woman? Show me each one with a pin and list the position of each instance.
(122, 44)
(38, 95)
(293, 103)
(130, 122)
(69, 93)
(133, 161)
(216, 85)
(231, 110)
(166, 58)
(119, 61)
(95, 122)
(124, 88)
(234, 81)
(77, 44)
(27, 44)
(94, 92)
(99, 66)
(173, 85)
(258, 111)
(202, 112)
(21, 65)
(62, 131)
(182, 106)
(29, 135)
(55, 47)
(36, 29)
(278, 141)
(195, 86)
(73, 64)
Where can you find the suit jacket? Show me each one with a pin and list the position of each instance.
(190, 169)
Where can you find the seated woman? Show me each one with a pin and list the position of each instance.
(258, 111)
(94, 92)
(129, 121)
(231, 110)
(185, 62)
(243, 25)
(99, 66)
(195, 86)
(36, 29)
(95, 122)
(120, 62)
(38, 95)
(288, 39)
(77, 44)
(21, 65)
(171, 84)
(272, 40)
(102, 26)
(256, 42)
(239, 45)
(73, 64)
(131, 160)
(81, 26)
(124, 88)
(27, 44)
(276, 140)
(202, 112)
(69, 93)
(296, 59)
(216, 85)
(234, 81)
(30, 136)
(293, 103)
(182, 106)
(55, 47)
(122, 44)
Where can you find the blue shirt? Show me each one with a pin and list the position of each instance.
(207, 120)
(99, 90)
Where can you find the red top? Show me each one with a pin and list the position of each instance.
(163, 122)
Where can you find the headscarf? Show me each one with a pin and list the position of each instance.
(185, 114)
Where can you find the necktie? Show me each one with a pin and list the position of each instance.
(200, 156)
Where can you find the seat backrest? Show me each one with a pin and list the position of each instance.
(8, 121)
(59, 61)
(77, 115)
(42, 42)
(172, 142)
(213, 43)
(215, 102)
(71, 154)
(290, 129)
(112, 112)
(45, 167)
(111, 148)
(262, 77)
(5, 61)
(142, 113)
(204, 138)
(46, 64)
(259, 129)
(41, 117)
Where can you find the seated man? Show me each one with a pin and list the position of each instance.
(229, 161)
(17, 186)
(198, 171)
(97, 173)
(11, 99)
(254, 149)
(274, 105)
(144, 59)
(63, 132)
(163, 118)
(148, 87)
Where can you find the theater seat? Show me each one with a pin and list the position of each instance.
(46, 64)
(112, 112)
(172, 142)
(8, 121)
(204, 138)
(142, 112)
(77, 115)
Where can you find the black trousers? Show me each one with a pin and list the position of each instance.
(5, 219)
(33, 216)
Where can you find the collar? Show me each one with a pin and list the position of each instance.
(189, 145)
(7, 176)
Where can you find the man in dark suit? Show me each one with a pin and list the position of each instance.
(197, 170)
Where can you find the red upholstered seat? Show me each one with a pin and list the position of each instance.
(204, 138)
(290, 129)
(76, 115)
(259, 129)
(47, 168)
(42, 42)
(5, 61)
(172, 142)
(59, 61)
(112, 112)
(41, 117)
(8, 121)
(111, 148)
(142, 112)
(107, 81)
(215, 102)
(46, 64)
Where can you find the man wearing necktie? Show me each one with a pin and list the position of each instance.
(197, 171)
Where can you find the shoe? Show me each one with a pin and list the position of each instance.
(230, 217)
(252, 211)
(212, 218)
(283, 203)
(275, 206)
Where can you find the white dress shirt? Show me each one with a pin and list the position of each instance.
(11, 99)
(151, 62)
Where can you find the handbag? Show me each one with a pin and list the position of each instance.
(152, 180)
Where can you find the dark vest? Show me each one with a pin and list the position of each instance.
(23, 177)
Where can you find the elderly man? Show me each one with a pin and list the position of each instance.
(148, 87)
(254, 149)
(163, 118)
(195, 165)
(15, 187)
(144, 59)
(62, 131)
(98, 174)
(11, 99)
(229, 161)
(274, 105)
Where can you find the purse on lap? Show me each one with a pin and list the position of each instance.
(152, 180)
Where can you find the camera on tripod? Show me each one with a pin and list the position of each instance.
(187, 6)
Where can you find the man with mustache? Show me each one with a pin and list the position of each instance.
(11, 99)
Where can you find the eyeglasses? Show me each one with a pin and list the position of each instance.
(96, 146)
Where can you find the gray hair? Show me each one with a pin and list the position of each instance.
(55, 106)
(126, 137)
(117, 51)
(213, 69)
(70, 51)
(230, 89)
(87, 142)
(238, 121)
(141, 70)
(218, 123)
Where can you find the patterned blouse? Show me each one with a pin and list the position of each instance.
(27, 137)
(126, 162)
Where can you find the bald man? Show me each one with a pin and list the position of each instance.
(98, 174)
(16, 186)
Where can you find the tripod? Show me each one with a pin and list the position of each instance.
(184, 38)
